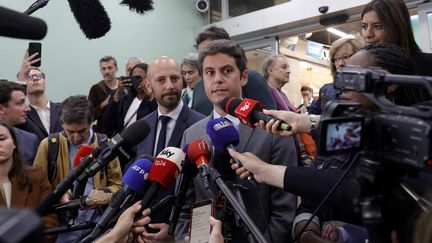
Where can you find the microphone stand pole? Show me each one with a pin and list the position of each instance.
(36, 6)
(64, 229)
(239, 209)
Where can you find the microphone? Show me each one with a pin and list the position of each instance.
(35, 6)
(44, 207)
(134, 180)
(91, 17)
(18, 25)
(189, 171)
(82, 152)
(198, 152)
(223, 136)
(139, 6)
(162, 174)
(249, 112)
(85, 202)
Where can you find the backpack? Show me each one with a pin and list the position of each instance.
(53, 150)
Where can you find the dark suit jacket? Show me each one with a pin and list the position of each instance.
(114, 114)
(278, 206)
(35, 126)
(28, 145)
(256, 88)
(186, 118)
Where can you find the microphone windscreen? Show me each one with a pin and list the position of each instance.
(91, 17)
(19, 25)
(136, 132)
(166, 166)
(136, 175)
(229, 105)
(98, 198)
(83, 151)
(139, 6)
(198, 149)
(222, 133)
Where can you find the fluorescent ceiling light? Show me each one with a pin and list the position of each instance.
(339, 33)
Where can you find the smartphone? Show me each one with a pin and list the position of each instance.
(200, 225)
(32, 49)
(136, 81)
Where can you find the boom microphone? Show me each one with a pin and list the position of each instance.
(17, 25)
(162, 174)
(223, 136)
(134, 181)
(139, 6)
(249, 112)
(91, 17)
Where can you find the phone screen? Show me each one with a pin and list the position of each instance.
(33, 48)
(200, 225)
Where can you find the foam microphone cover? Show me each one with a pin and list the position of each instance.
(166, 166)
(198, 152)
(222, 133)
(139, 6)
(188, 167)
(18, 25)
(136, 175)
(229, 105)
(91, 17)
(83, 151)
(136, 132)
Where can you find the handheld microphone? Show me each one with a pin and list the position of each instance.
(162, 174)
(188, 172)
(134, 180)
(91, 17)
(139, 6)
(223, 136)
(52, 198)
(198, 152)
(83, 151)
(249, 112)
(18, 25)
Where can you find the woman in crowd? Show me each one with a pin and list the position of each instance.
(124, 108)
(387, 56)
(21, 186)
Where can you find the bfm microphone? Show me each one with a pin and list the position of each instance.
(139, 6)
(249, 112)
(91, 17)
(45, 206)
(18, 25)
(134, 181)
(223, 136)
(83, 151)
(188, 172)
(162, 174)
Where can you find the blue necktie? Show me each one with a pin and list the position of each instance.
(162, 134)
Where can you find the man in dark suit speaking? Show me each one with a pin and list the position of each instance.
(167, 123)
(224, 70)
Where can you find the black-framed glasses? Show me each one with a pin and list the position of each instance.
(36, 75)
(341, 58)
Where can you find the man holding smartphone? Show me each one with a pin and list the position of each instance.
(101, 92)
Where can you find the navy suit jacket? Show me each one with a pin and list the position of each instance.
(256, 88)
(28, 145)
(186, 118)
(34, 123)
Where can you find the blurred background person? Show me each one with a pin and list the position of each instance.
(190, 75)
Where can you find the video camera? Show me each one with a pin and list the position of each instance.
(390, 133)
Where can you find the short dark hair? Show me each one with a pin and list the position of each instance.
(107, 59)
(395, 18)
(306, 88)
(6, 89)
(212, 33)
(76, 109)
(227, 47)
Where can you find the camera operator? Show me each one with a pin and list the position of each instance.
(313, 184)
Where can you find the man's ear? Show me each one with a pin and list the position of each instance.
(244, 78)
(2, 109)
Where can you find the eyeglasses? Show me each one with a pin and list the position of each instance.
(36, 75)
(342, 58)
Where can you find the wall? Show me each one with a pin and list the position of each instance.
(71, 61)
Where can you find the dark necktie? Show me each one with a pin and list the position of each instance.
(186, 98)
(162, 134)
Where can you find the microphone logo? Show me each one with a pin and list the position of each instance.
(159, 162)
(246, 106)
(202, 145)
(221, 125)
(167, 153)
(140, 171)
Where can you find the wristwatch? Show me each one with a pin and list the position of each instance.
(312, 119)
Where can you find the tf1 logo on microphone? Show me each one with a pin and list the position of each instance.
(246, 105)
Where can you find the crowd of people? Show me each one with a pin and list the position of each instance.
(39, 140)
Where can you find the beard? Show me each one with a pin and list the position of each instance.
(169, 100)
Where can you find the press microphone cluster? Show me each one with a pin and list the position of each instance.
(249, 112)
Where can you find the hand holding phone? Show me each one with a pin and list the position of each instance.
(35, 47)
(200, 225)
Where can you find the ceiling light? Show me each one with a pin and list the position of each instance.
(339, 33)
